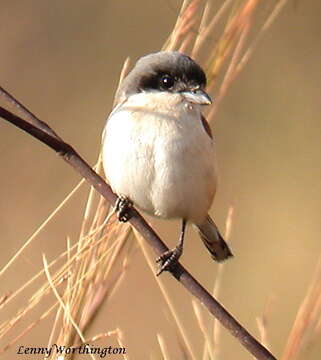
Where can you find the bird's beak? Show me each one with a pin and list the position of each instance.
(197, 97)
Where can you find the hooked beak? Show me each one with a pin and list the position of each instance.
(198, 96)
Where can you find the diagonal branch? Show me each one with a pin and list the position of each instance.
(46, 135)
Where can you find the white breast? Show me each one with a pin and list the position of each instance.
(160, 156)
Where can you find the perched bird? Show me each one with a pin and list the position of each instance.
(158, 151)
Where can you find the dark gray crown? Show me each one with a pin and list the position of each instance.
(150, 70)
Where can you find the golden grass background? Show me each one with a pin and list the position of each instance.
(63, 61)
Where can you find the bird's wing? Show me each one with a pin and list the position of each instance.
(206, 127)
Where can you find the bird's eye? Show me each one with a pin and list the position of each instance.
(167, 81)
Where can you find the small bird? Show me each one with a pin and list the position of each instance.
(158, 150)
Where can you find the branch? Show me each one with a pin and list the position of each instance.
(46, 135)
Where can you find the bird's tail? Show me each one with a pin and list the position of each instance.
(213, 240)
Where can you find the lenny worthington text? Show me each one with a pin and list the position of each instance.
(65, 350)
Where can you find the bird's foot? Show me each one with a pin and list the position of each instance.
(123, 208)
(169, 259)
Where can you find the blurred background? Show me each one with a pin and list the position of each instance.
(63, 60)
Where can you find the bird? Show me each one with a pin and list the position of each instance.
(158, 150)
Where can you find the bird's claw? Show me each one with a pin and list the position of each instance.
(123, 208)
(169, 259)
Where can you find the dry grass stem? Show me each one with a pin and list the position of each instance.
(208, 344)
(124, 71)
(40, 228)
(163, 347)
(56, 280)
(216, 328)
(273, 15)
(160, 282)
(184, 26)
(205, 31)
(65, 308)
(229, 38)
(230, 73)
(54, 329)
(306, 321)
(262, 323)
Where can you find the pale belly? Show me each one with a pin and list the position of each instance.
(165, 166)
